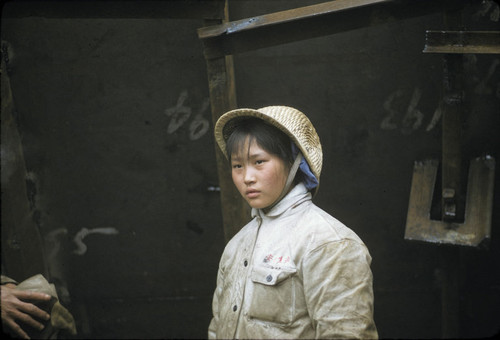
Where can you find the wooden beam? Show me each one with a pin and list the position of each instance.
(310, 22)
(301, 13)
(222, 88)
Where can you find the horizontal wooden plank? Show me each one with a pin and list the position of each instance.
(312, 11)
(311, 22)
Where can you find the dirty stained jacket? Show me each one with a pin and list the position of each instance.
(295, 272)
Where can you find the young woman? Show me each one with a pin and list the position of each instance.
(293, 271)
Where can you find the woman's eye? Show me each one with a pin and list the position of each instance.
(236, 166)
(259, 161)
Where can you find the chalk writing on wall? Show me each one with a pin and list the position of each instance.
(412, 118)
(84, 232)
(180, 114)
(488, 8)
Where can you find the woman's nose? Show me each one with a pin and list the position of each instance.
(249, 176)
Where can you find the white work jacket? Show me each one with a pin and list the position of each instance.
(295, 272)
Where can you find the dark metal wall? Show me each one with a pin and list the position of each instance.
(112, 109)
(115, 126)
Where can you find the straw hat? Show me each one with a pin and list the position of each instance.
(289, 120)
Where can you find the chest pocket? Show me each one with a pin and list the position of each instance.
(273, 296)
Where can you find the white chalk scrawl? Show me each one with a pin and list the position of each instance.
(78, 239)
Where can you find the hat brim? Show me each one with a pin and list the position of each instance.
(227, 122)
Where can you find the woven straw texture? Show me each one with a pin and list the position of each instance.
(289, 120)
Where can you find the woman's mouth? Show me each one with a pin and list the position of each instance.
(252, 193)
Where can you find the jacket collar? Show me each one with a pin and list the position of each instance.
(297, 195)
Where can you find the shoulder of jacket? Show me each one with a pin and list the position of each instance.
(324, 228)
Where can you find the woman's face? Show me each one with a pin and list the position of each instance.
(259, 176)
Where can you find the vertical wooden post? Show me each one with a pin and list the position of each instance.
(221, 82)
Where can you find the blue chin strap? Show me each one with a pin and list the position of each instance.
(310, 181)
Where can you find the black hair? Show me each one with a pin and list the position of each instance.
(268, 137)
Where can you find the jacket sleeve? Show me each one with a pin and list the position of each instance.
(339, 292)
(214, 323)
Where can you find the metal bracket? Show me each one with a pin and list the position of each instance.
(476, 228)
(482, 42)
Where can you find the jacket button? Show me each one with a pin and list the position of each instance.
(235, 308)
(245, 263)
(269, 278)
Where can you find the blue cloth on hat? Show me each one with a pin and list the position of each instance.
(310, 181)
